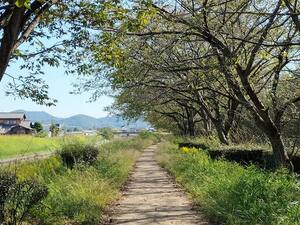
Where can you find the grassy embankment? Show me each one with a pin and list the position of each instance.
(80, 195)
(20, 145)
(231, 194)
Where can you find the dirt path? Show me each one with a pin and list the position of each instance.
(152, 198)
(29, 158)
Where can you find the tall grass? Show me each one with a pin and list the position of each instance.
(231, 194)
(81, 194)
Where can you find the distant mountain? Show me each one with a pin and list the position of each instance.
(83, 121)
(39, 116)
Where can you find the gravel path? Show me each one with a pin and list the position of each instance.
(151, 197)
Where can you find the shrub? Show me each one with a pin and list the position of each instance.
(78, 152)
(18, 197)
(37, 126)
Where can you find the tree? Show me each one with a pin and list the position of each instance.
(38, 127)
(212, 58)
(241, 62)
(54, 129)
(239, 40)
(159, 69)
(76, 129)
(17, 22)
(71, 27)
(18, 19)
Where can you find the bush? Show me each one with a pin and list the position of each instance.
(37, 126)
(77, 152)
(18, 197)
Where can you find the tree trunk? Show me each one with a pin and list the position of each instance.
(181, 129)
(191, 129)
(220, 131)
(231, 115)
(280, 155)
(184, 128)
(206, 126)
(264, 121)
(190, 122)
(206, 122)
(272, 132)
(10, 36)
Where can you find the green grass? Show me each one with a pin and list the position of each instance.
(20, 145)
(231, 194)
(80, 195)
(11, 146)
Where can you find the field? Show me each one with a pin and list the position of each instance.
(229, 193)
(12, 146)
(77, 195)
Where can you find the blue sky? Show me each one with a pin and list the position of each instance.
(60, 85)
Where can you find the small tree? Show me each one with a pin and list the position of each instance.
(54, 129)
(37, 126)
(106, 132)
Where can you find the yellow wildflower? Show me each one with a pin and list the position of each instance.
(187, 150)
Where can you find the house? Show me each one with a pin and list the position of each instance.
(14, 123)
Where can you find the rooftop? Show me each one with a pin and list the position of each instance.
(4, 115)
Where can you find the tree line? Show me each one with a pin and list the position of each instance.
(212, 64)
(195, 67)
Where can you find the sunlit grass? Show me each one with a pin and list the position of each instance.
(80, 195)
(231, 194)
(11, 146)
(20, 145)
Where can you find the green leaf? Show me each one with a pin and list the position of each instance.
(27, 4)
(23, 3)
(19, 3)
